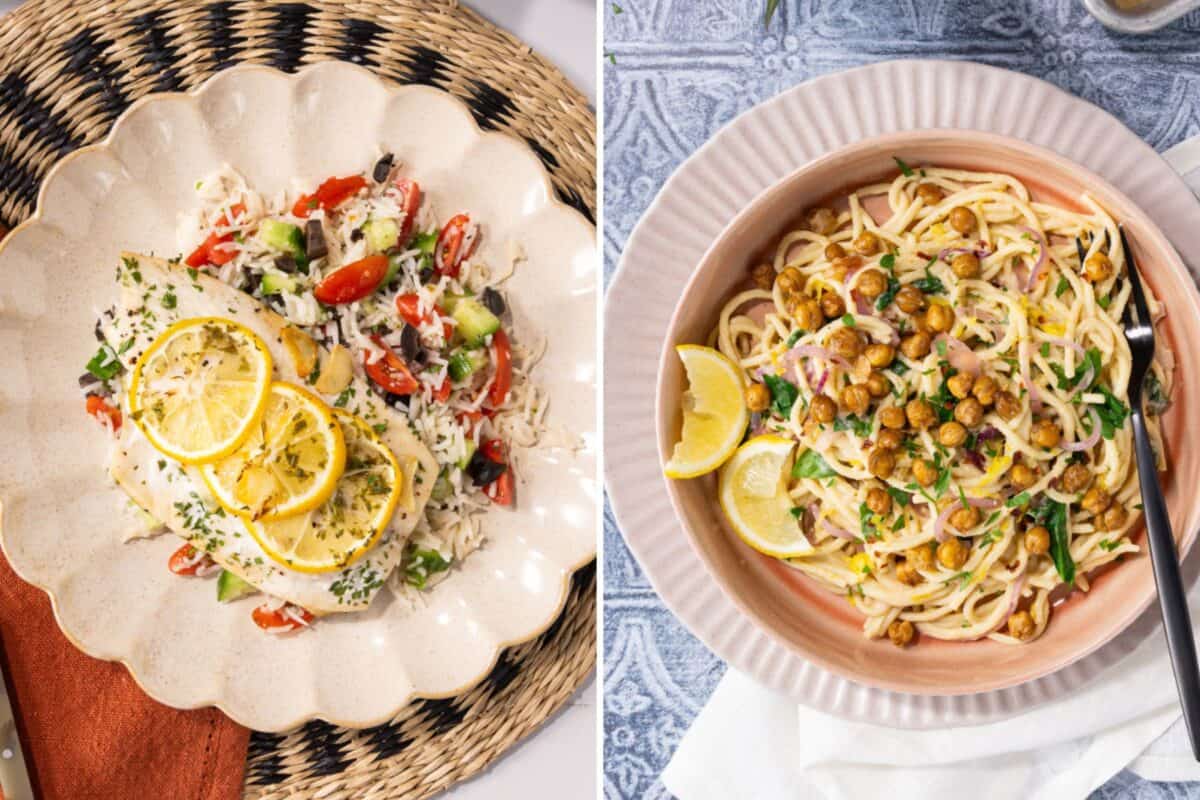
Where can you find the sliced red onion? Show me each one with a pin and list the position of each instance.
(821, 381)
(939, 525)
(1014, 599)
(980, 252)
(861, 304)
(834, 530)
(974, 459)
(1093, 437)
(1031, 281)
(987, 433)
(756, 426)
(961, 357)
(816, 351)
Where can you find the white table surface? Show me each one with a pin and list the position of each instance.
(560, 759)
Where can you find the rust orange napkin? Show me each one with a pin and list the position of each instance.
(88, 729)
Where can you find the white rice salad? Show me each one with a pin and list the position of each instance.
(363, 261)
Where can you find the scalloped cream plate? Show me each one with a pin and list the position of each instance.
(722, 179)
(60, 527)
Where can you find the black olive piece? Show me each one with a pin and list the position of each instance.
(421, 357)
(410, 343)
(356, 235)
(253, 281)
(493, 300)
(98, 333)
(426, 274)
(396, 401)
(87, 379)
(314, 239)
(383, 168)
(286, 263)
(482, 470)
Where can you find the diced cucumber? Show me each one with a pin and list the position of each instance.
(284, 237)
(464, 362)
(426, 242)
(230, 587)
(466, 459)
(278, 283)
(382, 234)
(475, 322)
(451, 300)
(442, 488)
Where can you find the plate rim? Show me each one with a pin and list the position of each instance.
(391, 87)
(896, 141)
(757, 654)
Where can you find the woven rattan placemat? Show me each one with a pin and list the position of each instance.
(68, 68)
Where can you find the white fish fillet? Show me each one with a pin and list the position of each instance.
(178, 496)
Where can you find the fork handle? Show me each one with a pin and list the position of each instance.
(1172, 597)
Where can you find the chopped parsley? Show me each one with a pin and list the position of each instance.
(810, 464)
(930, 284)
(1016, 501)
(421, 564)
(905, 169)
(169, 300)
(848, 320)
(104, 364)
(889, 294)
(1061, 288)
(901, 497)
(783, 394)
(861, 427)
(793, 338)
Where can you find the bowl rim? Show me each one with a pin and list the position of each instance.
(895, 142)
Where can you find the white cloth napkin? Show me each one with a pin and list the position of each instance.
(749, 742)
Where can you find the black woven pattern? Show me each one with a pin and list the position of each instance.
(289, 37)
(87, 59)
(360, 35)
(157, 51)
(222, 39)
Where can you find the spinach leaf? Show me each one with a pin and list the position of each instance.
(930, 284)
(810, 465)
(1112, 413)
(1053, 515)
(889, 294)
(861, 427)
(783, 394)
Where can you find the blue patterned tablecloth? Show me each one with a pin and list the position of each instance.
(678, 70)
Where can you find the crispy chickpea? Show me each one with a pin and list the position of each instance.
(1097, 267)
(892, 417)
(920, 413)
(855, 399)
(866, 244)
(877, 385)
(790, 281)
(951, 434)
(916, 346)
(965, 265)
(901, 632)
(1076, 478)
(910, 299)
(962, 220)
(930, 193)
(889, 439)
(871, 284)
(907, 574)
(924, 472)
(822, 220)
(879, 501)
(834, 251)
(806, 313)
(1113, 517)
(880, 355)
(842, 266)
(1045, 433)
(846, 342)
(1096, 501)
(1020, 625)
(984, 390)
(964, 519)
(960, 384)
(1007, 405)
(952, 553)
(920, 556)
(823, 409)
(969, 412)
(881, 463)
(1037, 540)
(758, 397)
(832, 305)
(1022, 476)
(763, 276)
(939, 318)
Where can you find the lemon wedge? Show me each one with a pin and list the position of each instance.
(348, 524)
(754, 497)
(199, 388)
(290, 462)
(714, 412)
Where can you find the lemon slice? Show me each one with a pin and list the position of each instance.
(340, 531)
(199, 388)
(290, 462)
(714, 412)
(754, 497)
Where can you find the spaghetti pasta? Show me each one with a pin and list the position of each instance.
(960, 368)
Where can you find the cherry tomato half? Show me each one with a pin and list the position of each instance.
(184, 562)
(410, 191)
(408, 307)
(274, 618)
(353, 281)
(450, 251)
(97, 406)
(390, 372)
(329, 195)
(502, 383)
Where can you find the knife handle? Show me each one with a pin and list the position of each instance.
(14, 777)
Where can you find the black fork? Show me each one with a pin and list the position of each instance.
(1172, 597)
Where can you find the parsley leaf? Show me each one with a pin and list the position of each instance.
(930, 284)
(905, 169)
(422, 564)
(810, 464)
(1112, 413)
(861, 427)
(1061, 288)
(104, 364)
(901, 497)
(793, 338)
(889, 294)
